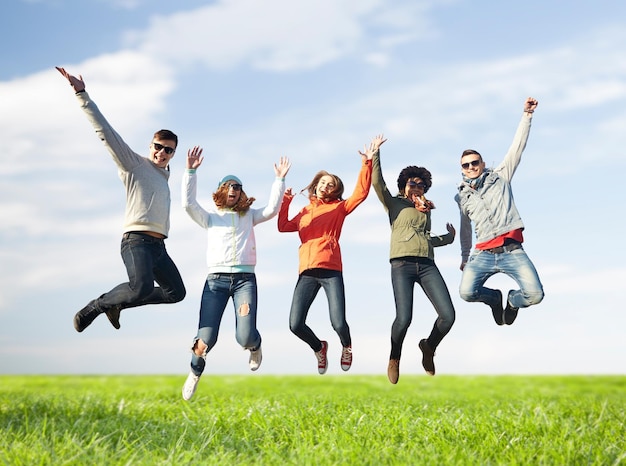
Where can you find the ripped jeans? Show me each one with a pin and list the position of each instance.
(218, 289)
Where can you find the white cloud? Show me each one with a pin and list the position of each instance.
(279, 35)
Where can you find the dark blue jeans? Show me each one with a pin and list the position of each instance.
(309, 283)
(405, 272)
(146, 261)
(218, 289)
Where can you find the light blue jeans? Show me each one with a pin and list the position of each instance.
(218, 289)
(516, 264)
(309, 283)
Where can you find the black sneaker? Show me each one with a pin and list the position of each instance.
(427, 357)
(510, 313)
(86, 316)
(113, 315)
(497, 311)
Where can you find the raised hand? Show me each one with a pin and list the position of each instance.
(77, 83)
(282, 168)
(194, 157)
(368, 152)
(530, 105)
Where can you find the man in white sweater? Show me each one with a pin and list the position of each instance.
(146, 222)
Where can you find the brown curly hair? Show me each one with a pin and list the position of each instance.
(220, 197)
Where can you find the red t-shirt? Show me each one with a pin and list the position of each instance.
(499, 240)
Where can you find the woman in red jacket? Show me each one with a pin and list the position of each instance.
(319, 227)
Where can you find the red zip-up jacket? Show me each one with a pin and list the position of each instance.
(319, 224)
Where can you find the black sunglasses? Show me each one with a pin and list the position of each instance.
(235, 186)
(158, 147)
(413, 184)
(473, 163)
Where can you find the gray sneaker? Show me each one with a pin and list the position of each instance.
(256, 356)
(190, 386)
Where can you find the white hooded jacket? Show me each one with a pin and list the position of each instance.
(231, 245)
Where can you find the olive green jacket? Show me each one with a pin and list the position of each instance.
(410, 228)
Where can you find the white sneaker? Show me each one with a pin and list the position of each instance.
(255, 359)
(346, 358)
(190, 386)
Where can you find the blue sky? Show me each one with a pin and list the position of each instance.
(314, 81)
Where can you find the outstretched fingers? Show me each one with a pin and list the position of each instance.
(378, 141)
(194, 157)
(77, 83)
(368, 152)
(282, 168)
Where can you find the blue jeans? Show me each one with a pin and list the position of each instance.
(516, 264)
(218, 289)
(309, 283)
(405, 272)
(146, 261)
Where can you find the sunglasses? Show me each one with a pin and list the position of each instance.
(413, 184)
(158, 147)
(235, 186)
(473, 163)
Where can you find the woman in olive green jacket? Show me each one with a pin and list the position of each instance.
(412, 261)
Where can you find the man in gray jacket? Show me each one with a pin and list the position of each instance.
(485, 198)
(146, 222)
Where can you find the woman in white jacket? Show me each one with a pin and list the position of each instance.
(231, 258)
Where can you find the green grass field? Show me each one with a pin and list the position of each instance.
(313, 420)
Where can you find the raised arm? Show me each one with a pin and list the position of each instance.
(507, 168)
(378, 182)
(189, 188)
(276, 193)
(125, 158)
(362, 188)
